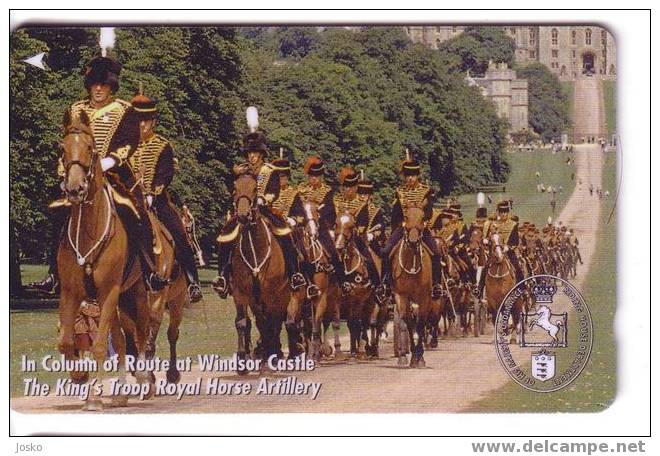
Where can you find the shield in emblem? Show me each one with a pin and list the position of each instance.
(543, 365)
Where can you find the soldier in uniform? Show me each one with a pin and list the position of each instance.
(347, 200)
(413, 192)
(116, 130)
(316, 190)
(573, 241)
(374, 231)
(267, 177)
(153, 164)
(475, 239)
(507, 228)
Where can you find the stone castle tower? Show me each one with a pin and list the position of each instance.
(568, 51)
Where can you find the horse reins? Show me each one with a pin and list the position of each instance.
(80, 258)
(257, 265)
(415, 269)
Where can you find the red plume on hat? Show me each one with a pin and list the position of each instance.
(313, 166)
(348, 176)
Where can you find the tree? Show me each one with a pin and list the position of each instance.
(548, 107)
(475, 47)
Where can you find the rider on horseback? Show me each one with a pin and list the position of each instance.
(374, 230)
(317, 191)
(348, 200)
(268, 188)
(413, 193)
(153, 164)
(507, 229)
(116, 131)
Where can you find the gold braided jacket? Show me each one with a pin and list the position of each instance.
(413, 196)
(104, 123)
(503, 227)
(353, 206)
(315, 195)
(285, 200)
(263, 177)
(373, 212)
(144, 161)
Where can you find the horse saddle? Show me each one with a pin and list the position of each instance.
(160, 233)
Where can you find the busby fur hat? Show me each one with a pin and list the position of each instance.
(348, 177)
(282, 165)
(103, 70)
(255, 142)
(313, 166)
(503, 206)
(365, 187)
(410, 166)
(482, 212)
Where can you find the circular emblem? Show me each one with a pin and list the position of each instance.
(543, 333)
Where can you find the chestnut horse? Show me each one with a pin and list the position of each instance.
(411, 283)
(259, 280)
(357, 302)
(94, 258)
(500, 279)
(325, 307)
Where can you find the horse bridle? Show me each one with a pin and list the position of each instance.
(88, 169)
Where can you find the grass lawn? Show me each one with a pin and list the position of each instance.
(595, 388)
(568, 89)
(609, 95)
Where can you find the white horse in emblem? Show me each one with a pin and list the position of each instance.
(543, 321)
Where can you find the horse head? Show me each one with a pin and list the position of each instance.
(413, 222)
(245, 198)
(79, 158)
(344, 230)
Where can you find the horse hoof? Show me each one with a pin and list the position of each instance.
(93, 405)
(150, 391)
(434, 344)
(361, 356)
(414, 362)
(403, 361)
(173, 376)
(421, 363)
(119, 401)
(326, 350)
(79, 377)
(144, 377)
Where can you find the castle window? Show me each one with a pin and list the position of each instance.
(532, 54)
(574, 53)
(454, 29)
(532, 37)
(587, 37)
(555, 53)
(555, 36)
(603, 38)
(573, 37)
(438, 29)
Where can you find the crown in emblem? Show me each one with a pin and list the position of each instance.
(543, 292)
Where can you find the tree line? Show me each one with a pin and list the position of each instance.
(357, 97)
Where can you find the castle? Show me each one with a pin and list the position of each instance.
(568, 51)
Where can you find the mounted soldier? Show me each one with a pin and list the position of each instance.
(267, 177)
(374, 230)
(411, 193)
(507, 229)
(347, 200)
(153, 164)
(116, 131)
(317, 191)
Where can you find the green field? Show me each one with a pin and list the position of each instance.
(208, 327)
(595, 388)
(609, 95)
(568, 89)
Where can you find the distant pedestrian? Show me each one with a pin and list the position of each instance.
(591, 189)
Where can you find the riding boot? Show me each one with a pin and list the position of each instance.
(339, 273)
(436, 264)
(385, 252)
(516, 266)
(221, 282)
(296, 279)
(374, 278)
(154, 281)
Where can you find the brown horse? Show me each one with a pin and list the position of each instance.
(259, 280)
(357, 302)
(500, 279)
(94, 258)
(411, 283)
(324, 307)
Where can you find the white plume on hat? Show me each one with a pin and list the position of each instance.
(481, 199)
(252, 116)
(107, 39)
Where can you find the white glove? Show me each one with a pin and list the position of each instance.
(292, 222)
(107, 163)
(370, 237)
(261, 201)
(150, 200)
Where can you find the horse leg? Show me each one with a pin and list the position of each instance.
(68, 310)
(422, 319)
(293, 314)
(318, 311)
(402, 315)
(241, 325)
(119, 344)
(336, 322)
(176, 314)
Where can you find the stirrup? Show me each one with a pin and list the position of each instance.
(380, 293)
(195, 292)
(219, 285)
(47, 285)
(297, 281)
(346, 287)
